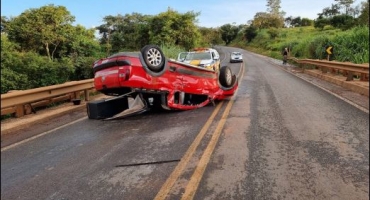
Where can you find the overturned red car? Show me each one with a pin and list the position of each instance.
(155, 82)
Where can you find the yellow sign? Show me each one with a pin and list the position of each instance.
(328, 50)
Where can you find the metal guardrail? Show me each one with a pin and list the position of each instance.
(345, 68)
(22, 102)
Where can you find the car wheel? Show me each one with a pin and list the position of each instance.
(226, 76)
(153, 57)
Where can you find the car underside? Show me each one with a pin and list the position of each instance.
(160, 83)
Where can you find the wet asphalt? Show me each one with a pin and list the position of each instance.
(284, 138)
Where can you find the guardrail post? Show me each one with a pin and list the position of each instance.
(349, 76)
(363, 77)
(76, 95)
(87, 95)
(19, 111)
(324, 70)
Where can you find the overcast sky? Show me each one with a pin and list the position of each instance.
(213, 13)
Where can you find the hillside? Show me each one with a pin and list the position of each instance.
(308, 42)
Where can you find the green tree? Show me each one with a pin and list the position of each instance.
(81, 42)
(10, 79)
(4, 23)
(346, 4)
(331, 11)
(296, 22)
(288, 21)
(320, 23)
(210, 36)
(128, 32)
(229, 33)
(173, 28)
(46, 27)
(343, 22)
(250, 33)
(273, 7)
(363, 19)
(306, 22)
(266, 20)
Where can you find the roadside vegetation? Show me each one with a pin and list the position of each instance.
(307, 42)
(42, 47)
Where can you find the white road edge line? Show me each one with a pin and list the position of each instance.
(330, 92)
(39, 135)
(326, 90)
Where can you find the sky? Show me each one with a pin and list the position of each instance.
(213, 13)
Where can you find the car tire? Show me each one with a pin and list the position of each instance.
(226, 76)
(153, 57)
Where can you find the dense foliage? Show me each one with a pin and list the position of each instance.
(307, 42)
(41, 47)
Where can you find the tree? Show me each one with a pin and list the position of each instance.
(228, 33)
(173, 28)
(296, 22)
(288, 21)
(274, 18)
(128, 32)
(321, 23)
(343, 22)
(210, 36)
(267, 20)
(46, 27)
(273, 6)
(250, 33)
(363, 19)
(331, 11)
(4, 23)
(346, 4)
(306, 22)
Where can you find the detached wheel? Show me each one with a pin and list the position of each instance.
(153, 57)
(226, 76)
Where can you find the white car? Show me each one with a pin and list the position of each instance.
(236, 57)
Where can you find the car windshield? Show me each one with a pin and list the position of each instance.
(198, 56)
(236, 53)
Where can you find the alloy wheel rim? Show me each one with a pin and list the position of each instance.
(154, 57)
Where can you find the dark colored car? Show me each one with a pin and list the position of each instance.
(159, 82)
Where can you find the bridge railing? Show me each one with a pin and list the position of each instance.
(345, 68)
(24, 101)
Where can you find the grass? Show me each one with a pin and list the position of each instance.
(307, 42)
(171, 51)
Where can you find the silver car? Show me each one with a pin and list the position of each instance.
(236, 57)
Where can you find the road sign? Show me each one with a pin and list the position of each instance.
(329, 50)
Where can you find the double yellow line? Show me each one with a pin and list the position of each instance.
(195, 179)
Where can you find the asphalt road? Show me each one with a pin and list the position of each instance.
(279, 137)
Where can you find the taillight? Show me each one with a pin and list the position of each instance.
(123, 74)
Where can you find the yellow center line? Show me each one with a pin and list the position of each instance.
(195, 179)
(166, 187)
(192, 186)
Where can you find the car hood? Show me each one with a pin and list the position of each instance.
(199, 62)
